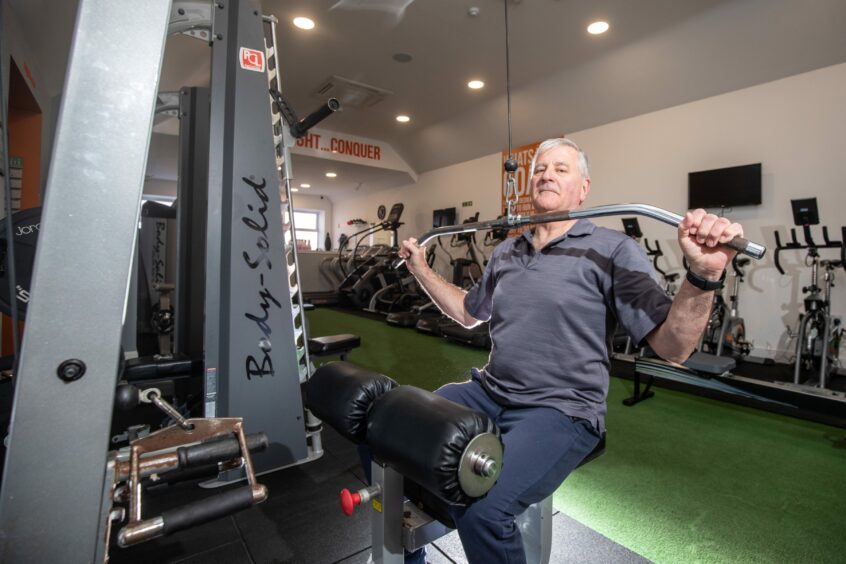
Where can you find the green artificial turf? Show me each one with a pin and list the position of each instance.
(688, 479)
(683, 479)
(403, 354)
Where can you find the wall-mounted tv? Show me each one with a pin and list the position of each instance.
(725, 187)
(444, 217)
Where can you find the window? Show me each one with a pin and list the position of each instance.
(307, 224)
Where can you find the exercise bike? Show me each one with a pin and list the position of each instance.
(818, 334)
(733, 332)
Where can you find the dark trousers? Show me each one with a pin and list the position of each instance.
(542, 447)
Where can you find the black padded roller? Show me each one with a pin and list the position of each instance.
(423, 437)
(341, 394)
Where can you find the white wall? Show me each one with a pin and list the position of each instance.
(795, 127)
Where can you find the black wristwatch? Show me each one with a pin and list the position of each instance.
(705, 284)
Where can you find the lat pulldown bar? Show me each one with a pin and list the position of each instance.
(740, 244)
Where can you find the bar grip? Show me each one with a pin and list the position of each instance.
(747, 247)
(205, 510)
(184, 475)
(217, 450)
(301, 127)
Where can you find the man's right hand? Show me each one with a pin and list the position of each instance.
(414, 255)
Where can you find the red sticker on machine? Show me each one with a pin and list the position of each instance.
(252, 60)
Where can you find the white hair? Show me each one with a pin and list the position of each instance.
(561, 142)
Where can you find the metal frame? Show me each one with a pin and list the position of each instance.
(740, 244)
(398, 525)
(68, 370)
(189, 298)
(89, 224)
(252, 366)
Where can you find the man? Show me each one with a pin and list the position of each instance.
(553, 296)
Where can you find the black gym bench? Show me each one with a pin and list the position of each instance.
(333, 345)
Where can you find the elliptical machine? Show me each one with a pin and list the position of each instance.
(465, 271)
(422, 308)
(368, 271)
(819, 333)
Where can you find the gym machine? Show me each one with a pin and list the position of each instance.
(368, 274)
(252, 339)
(726, 330)
(819, 333)
(740, 244)
(732, 337)
(424, 310)
(427, 453)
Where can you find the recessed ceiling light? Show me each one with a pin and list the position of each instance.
(305, 185)
(403, 119)
(402, 57)
(475, 84)
(295, 189)
(303, 22)
(597, 27)
(331, 174)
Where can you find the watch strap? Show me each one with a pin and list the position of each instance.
(704, 283)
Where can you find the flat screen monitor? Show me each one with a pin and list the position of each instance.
(396, 213)
(725, 187)
(444, 217)
(632, 227)
(805, 211)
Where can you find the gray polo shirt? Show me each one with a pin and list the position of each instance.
(553, 312)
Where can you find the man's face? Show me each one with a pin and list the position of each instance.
(557, 183)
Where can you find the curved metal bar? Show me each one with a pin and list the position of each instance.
(739, 244)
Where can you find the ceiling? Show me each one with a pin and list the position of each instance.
(657, 54)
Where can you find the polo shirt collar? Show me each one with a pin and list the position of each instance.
(581, 228)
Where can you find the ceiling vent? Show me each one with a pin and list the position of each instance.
(350, 93)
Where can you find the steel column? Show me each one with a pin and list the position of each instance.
(251, 357)
(55, 466)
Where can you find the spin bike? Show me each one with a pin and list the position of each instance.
(733, 329)
(726, 330)
(819, 333)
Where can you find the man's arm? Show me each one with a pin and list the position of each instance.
(448, 297)
(676, 337)
(700, 238)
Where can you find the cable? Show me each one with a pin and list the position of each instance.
(508, 79)
(510, 164)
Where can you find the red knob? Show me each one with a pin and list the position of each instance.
(349, 501)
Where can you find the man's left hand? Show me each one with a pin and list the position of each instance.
(701, 235)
